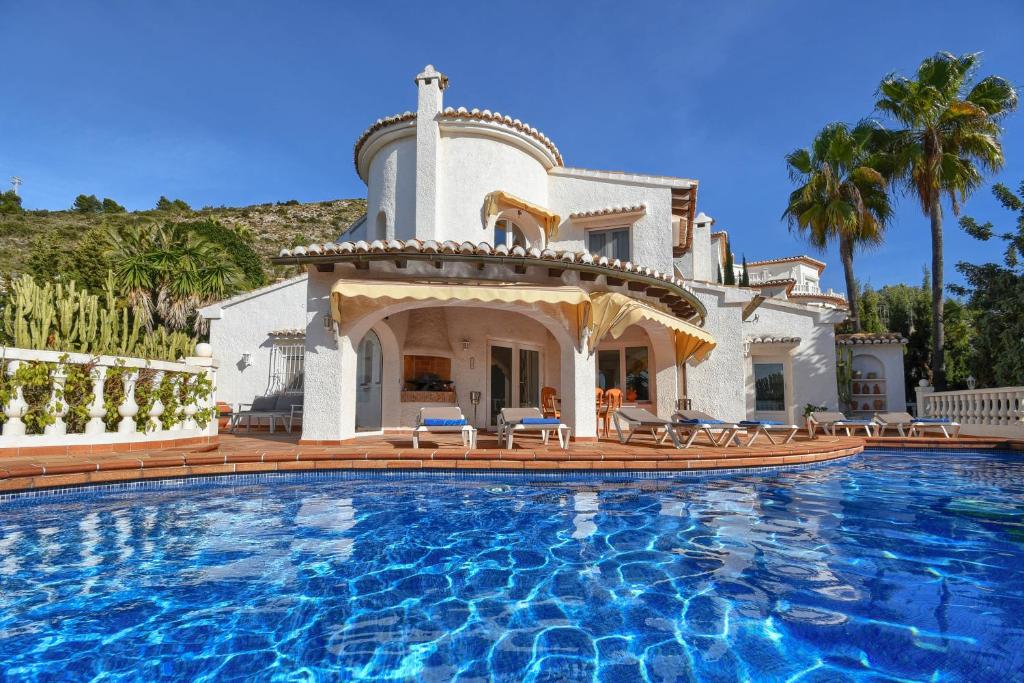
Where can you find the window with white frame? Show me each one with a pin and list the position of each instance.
(288, 358)
(613, 243)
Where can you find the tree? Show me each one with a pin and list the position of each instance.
(996, 293)
(51, 259)
(168, 272)
(177, 205)
(948, 138)
(745, 276)
(110, 206)
(87, 203)
(10, 202)
(841, 195)
(729, 276)
(719, 275)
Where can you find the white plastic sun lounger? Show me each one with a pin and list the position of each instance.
(512, 421)
(629, 421)
(766, 428)
(443, 421)
(907, 425)
(692, 423)
(831, 422)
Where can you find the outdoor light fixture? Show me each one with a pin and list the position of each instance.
(328, 321)
(971, 382)
(246, 360)
(474, 398)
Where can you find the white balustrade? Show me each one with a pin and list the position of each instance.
(132, 427)
(983, 412)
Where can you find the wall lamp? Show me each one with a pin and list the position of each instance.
(246, 360)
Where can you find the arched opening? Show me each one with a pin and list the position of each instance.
(369, 372)
(382, 226)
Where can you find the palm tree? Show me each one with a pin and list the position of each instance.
(169, 272)
(841, 196)
(948, 138)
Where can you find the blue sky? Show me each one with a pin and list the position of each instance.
(243, 102)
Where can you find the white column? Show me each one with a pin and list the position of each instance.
(345, 411)
(128, 408)
(157, 409)
(431, 86)
(579, 377)
(16, 407)
(97, 410)
(58, 405)
(924, 393)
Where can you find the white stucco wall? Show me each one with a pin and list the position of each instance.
(717, 385)
(473, 166)
(243, 325)
(391, 189)
(651, 237)
(811, 365)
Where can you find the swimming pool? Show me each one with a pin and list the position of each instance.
(887, 566)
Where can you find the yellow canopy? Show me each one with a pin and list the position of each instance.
(613, 313)
(385, 290)
(496, 202)
(602, 313)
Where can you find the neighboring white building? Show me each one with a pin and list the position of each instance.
(486, 267)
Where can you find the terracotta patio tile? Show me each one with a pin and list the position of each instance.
(206, 459)
(334, 464)
(248, 467)
(295, 465)
(201, 470)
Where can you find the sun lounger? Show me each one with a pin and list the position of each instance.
(512, 421)
(443, 421)
(691, 423)
(908, 425)
(756, 428)
(629, 421)
(261, 408)
(830, 422)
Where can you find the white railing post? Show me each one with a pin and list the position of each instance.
(58, 404)
(16, 407)
(97, 411)
(128, 408)
(924, 396)
(176, 380)
(157, 409)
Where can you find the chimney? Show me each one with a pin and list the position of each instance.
(431, 85)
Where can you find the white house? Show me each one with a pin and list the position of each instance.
(486, 269)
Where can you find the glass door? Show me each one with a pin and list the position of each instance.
(500, 390)
(369, 369)
(529, 378)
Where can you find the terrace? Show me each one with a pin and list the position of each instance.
(262, 453)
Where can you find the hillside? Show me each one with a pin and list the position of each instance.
(267, 227)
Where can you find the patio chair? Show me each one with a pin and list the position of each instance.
(611, 402)
(261, 408)
(549, 401)
(530, 420)
(691, 423)
(907, 425)
(830, 422)
(444, 420)
(756, 428)
(629, 421)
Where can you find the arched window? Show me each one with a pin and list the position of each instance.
(382, 226)
(508, 233)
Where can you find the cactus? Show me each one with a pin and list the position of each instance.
(65, 318)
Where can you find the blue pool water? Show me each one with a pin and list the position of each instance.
(881, 567)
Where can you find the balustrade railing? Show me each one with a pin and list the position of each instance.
(53, 398)
(983, 412)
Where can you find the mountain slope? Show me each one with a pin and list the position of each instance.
(267, 227)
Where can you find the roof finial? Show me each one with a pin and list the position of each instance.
(429, 73)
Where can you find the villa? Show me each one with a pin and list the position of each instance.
(486, 269)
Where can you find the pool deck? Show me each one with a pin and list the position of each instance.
(262, 452)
